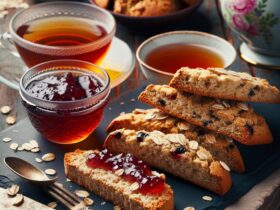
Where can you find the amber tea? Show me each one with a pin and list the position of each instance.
(172, 57)
(62, 32)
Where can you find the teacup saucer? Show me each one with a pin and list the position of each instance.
(119, 63)
(258, 59)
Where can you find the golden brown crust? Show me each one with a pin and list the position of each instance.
(145, 7)
(233, 119)
(195, 164)
(225, 84)
(222, 148)
(111, 187)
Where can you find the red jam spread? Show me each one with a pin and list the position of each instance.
(135, 170)
(65, 87)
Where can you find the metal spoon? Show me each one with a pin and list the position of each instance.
(28, 171)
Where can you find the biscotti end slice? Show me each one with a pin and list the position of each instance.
(175, 154)
(233, 119)
(112, 187)
(225, 84)
(221, 147)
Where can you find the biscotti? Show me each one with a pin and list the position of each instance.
(225, 84)
(145, 7)
(112, 186)
(221, 147)
(175, 154)
(233, 119)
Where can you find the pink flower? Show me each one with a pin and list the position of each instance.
(243, 6)
(239, 22)
(253, 30)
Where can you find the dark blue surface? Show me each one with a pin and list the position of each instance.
(260, 161)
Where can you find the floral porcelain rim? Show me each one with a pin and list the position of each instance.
(251, 18)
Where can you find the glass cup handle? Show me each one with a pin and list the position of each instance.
(6, 42)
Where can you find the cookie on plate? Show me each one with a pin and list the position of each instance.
(225, 84)
(233, 119)
(221, 147)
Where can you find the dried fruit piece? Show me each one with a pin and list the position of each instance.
(88, 201)
(52, 205)
(18, 200)
(5, 109)
(10, 120)
(48, 157)
(50, 171)
(13, 190)
(134, 186)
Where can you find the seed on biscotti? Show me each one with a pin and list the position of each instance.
(13, 190)
(18, 200)
(52, 205)
(6, 139)
(38, 160)
(88, 201)
(207, 198)
(13, 146)
(119, 172)
(134, 186)
(48, 157)
(82, 193)
(10, 120)
(218, 106)
(202, 155)
(50, 172)
(193, 145)
(183, 126)
(5, 109)
(224, 165)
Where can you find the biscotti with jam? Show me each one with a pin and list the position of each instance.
(221, 147)
(175, 154)
(109, 176)
(230, 118)
(225, 84)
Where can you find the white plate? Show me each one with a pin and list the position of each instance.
(119, 58)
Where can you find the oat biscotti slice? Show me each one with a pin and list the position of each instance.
(175, 154)
(111, 185)
(221, 147)
(233, 119)
(225, 84)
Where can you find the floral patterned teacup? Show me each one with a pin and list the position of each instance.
(256, 21)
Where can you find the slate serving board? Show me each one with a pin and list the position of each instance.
(260, 161)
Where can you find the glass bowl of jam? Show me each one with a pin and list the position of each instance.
(65, 99)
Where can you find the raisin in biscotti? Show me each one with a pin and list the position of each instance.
(233, 119)
(112, 186)
(175, 154)
(225, 84)
(221, 147)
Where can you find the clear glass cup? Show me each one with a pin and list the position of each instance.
(65, 122)
(34, 53)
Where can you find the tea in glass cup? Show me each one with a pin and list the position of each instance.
(59, 30)
(65, 99)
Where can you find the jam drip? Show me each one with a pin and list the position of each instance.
(135, 170)
(65, 87)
